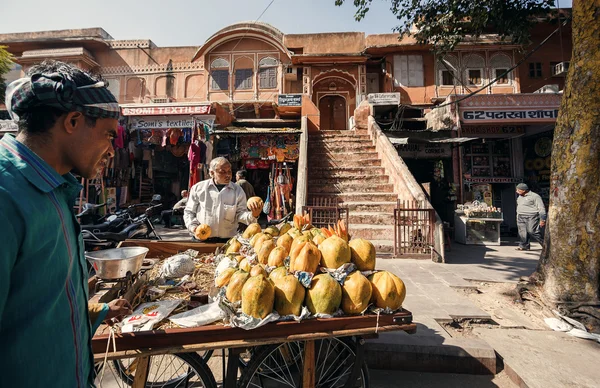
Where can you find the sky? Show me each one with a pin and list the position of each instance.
(189, 22)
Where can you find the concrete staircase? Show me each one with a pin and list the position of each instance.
(344, 165)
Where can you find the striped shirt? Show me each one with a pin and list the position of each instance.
(45, 329)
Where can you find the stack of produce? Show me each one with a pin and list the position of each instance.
(270, 263)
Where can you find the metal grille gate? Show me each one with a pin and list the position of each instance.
(413, 229)
(326, 211)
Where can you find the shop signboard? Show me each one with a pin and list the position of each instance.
(504, 115)
(162, 122)
(424, 151)
(493, 180)
(166, 110)
(384, 98)
(289, 100)
(492, 129)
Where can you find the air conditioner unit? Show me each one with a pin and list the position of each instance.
(291, 73)
(548, 89)
(561, 69)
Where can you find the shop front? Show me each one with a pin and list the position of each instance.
(506, 129)
(269, 156)
(431, 165)
(169, 148)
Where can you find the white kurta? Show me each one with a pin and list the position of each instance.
(221, 210)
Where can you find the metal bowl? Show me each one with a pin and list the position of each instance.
(117, 263)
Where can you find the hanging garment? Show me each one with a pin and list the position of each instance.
(209, 151)
(119, 141)
(187, 135)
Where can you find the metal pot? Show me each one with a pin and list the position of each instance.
(117, 263)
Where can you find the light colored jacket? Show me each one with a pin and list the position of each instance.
(222, 211)
(531, 204)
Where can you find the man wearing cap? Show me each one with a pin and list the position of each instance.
(67, 120)
(531, 215)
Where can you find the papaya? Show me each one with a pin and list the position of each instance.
(260, 241)
(234, 247)
(202, 232)
(324, 295)
(307, 259)
(334, 252)
(362, 254)
(272, 230)
(289, 295)
(264, 250)
(224, 277)
(245, 265)
(258, 270)
(276, 257)
(258, 295)
(294, 232)
(298, 240)
(277, 273)
(255, 238)
(236, 283)
(285, 241)
(356, 293)
(251, 230)
(284, 228)
(388, 290)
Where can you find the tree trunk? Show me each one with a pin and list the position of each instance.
(570, 262)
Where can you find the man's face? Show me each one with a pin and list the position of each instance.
(222, 174)
(237, 177)
(184, 194)
(91, 146)
(521, 192)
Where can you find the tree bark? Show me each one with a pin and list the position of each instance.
(570, 262)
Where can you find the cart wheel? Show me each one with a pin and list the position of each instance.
(166, 370)
(281, 365)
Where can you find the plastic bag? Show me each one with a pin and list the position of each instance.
(177, 266)
(199, 316)
(267, 204)
(148, 314)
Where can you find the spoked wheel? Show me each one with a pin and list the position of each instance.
(281, 365)
(185, 370)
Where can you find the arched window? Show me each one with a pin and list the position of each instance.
(219, 74)
(500, 63)
(474, 70)
(448, 71)
(267, 73)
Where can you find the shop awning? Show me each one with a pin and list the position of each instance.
(409, 140)
(250, 131)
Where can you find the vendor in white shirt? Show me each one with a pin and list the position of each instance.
(219, 203)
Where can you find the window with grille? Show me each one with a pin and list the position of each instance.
(267, 77)
(219, 80)
(243, 79)
(474, 65)
(500, 63)
(408, 70)
(448, 71)
(535, 70)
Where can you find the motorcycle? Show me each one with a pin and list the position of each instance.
(120, 227)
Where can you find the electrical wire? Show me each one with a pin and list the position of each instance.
(507, 71)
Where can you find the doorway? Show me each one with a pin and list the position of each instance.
(333, 112)
(372, 83)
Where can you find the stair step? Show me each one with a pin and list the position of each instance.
(357, 197)
(372, 218)
(341, 148)
(328, 137)
(314, 179)
(356, 157)
(344, 132)
(334, 140)
(325, 162)
(383, 248)
(386, 207)
(352, 187)
(371, 232)
(333, 171)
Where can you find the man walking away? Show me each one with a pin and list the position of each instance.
(531, 215)
(240, 179)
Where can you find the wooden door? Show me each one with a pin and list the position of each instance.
(333, 113)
